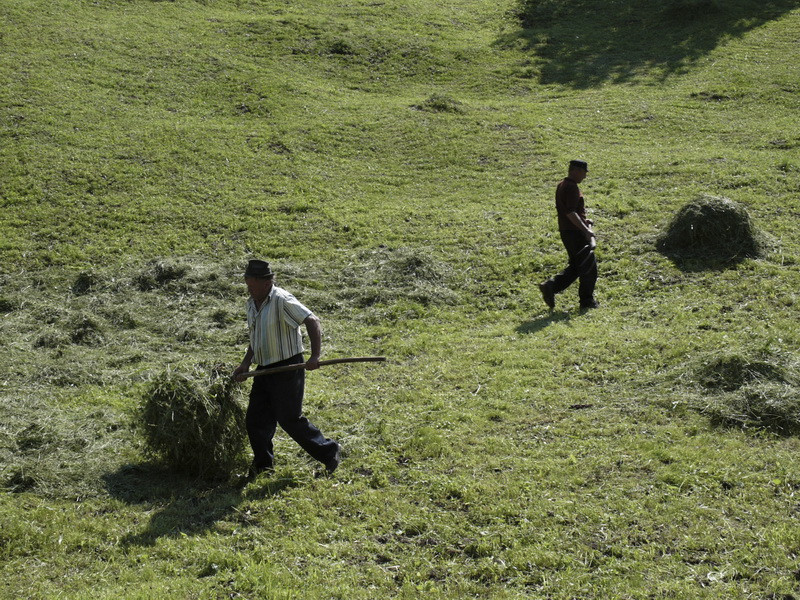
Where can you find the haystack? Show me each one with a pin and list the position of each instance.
(194, 424)
(714, 229)
(768, 405)
(751, 390)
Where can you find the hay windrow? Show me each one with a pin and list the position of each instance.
(441, 103)
(53, 450)
(86, 282)
(729, 371)
(385, 276)
(766, 405)
(7, 305)
(714, 229)
(158, 273)
(750, 391)
(195, 423)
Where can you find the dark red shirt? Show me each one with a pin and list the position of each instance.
(569, 199)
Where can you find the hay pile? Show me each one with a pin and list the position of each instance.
(712, 228)
(441, 103)
(386, 276)
(747, 391)
(728, 371)
(194, 424)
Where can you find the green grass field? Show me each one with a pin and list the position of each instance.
(396, 163)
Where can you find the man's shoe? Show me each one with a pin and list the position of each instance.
(255, 470)
(333, 463)
(590, 304)
(547, 293)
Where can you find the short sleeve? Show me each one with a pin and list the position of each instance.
(293, 311)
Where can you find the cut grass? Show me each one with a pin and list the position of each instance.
(712, 230)
(195, 423)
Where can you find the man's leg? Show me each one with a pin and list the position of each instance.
(261, 423)
(574, 242)
(288, 389)
(588, 278)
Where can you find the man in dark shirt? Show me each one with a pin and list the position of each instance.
(578, 238)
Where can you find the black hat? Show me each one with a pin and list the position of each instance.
(259, 269)
(579, 164)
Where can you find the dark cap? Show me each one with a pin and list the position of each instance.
(258, 269)
(579, 164)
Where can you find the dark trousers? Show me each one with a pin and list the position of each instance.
(582, 265)
(278, 400)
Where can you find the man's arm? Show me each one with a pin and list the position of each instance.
(315, 335)
(576, 220)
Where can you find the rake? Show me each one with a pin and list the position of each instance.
(322, 363)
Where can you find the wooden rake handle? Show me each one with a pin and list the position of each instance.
(298, 366)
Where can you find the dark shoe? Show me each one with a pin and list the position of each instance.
(333, 463)
(547, 293)
(590, 304)
(255, 470)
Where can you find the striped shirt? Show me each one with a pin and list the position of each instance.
(275, 327)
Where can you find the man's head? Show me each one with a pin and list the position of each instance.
(578, 170)
(258, 276)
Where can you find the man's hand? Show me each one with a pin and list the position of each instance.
(240, 371)
(312, 363)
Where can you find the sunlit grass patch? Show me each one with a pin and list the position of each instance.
(502, 451)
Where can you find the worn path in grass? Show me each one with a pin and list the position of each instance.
(396, 162)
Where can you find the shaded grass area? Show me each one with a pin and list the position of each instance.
(587, 43)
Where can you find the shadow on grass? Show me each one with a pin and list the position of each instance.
(183, 505)
(537, 325)
(585, 43)
(703, 264)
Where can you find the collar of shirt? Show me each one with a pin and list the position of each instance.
(265, 302)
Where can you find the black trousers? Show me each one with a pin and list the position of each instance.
(582, 265)
(278, 400)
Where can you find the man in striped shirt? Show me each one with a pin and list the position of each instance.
(274, 317)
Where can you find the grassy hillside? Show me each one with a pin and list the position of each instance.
(396, 163)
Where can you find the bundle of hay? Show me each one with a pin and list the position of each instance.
(712, 228)
(727, 371)
(194, 424)
(751, 390)
(767, 404)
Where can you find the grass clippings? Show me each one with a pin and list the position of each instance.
(752, 392)
(158, 273)
(713, 229)
(768, 405)
(194, 423)
(441, 103)
(729, 371)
